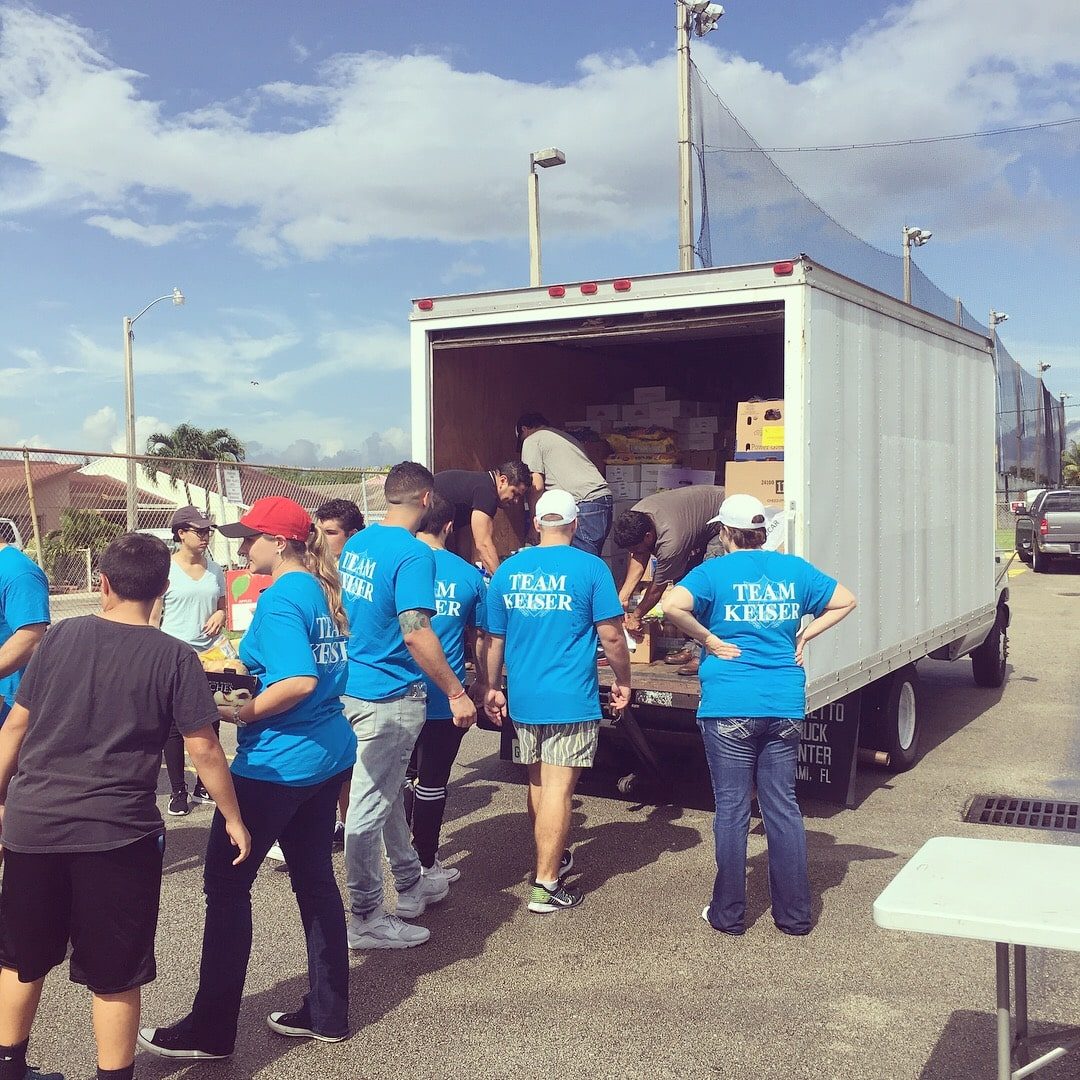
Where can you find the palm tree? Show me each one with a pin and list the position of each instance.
(1070, 465)
(192, 443)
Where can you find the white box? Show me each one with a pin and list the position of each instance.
(638, 414)
(622, 489)
(623, 474)
(650, 487)
(706, 441)
(673, 476)
(646, 395)
(602, 412)
(697, 425)
(651, 472)
(666, 413)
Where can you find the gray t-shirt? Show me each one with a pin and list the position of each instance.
(188, 603)
(681, 518)
(562, 462)
(101, 697)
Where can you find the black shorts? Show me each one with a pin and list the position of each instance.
(105, 903)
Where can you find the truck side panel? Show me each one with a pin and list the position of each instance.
(898, 483)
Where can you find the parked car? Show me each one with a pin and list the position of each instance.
(9, 533)
(1049, 528)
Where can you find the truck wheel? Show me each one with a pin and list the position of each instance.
(1040, 563)
(989, 660)
(899, 719)
(1023, 554)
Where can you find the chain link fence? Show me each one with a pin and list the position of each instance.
(62, 507)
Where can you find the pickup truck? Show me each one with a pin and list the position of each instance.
(1050, 528)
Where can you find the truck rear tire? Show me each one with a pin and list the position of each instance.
(989, 660)
(899, 729)
(1040, 563)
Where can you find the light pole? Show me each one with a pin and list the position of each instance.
(912, 238)
(546, 159)
(1061, 457)
(997, 317)
(701, 17)
(177, 297)
(1040, 423)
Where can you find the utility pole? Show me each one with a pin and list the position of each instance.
(683, 16)
(1040, 423)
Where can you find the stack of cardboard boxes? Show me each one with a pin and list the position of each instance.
(758, 465)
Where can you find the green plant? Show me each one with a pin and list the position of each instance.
(196, 445)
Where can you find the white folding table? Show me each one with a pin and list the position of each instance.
(1010, 893)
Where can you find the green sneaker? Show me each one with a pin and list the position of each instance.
(544, 900)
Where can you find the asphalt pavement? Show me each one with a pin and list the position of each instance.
(633, 983)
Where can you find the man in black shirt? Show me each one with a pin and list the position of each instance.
(475, 497)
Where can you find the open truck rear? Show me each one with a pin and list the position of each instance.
(888, 471)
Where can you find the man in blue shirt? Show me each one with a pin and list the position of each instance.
(388, 590)
(459, 616)
(545, 607)
(24, 615)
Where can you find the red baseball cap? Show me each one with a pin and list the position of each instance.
(274, 516)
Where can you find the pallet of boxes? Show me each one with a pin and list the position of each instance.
(657, 441)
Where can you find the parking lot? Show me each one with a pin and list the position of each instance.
(633, 983)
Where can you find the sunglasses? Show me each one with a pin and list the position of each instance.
(202, 533)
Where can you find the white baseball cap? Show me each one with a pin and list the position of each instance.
(741, 512)
(556, 504)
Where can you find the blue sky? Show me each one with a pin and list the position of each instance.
(302, 171)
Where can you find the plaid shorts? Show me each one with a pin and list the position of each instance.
(572, 745)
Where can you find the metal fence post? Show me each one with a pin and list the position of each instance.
(38, 553)
(363, 495)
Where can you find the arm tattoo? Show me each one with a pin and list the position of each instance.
(414, 619)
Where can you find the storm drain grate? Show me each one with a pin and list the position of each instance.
(1024, 813)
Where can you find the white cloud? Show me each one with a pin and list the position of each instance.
(87, 139)
(150, 235)
(99, 429)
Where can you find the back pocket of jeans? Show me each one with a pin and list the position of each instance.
(734, 726)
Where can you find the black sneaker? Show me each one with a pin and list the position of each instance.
(180, 1041)
(178, 804)
(339, 836)
(199, 794)
(544, 900)
(566, 863)
(298, 1025)
(32, 1073)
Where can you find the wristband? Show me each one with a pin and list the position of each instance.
(459, 694)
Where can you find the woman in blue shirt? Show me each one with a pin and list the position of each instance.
(747, 609)
(294, 749)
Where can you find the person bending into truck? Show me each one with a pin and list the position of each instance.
(746, 609)
(459, 617)
(388, 586)
(675, 527)
(476, 498)
(557, 460)
(24, 614)
(546, 606)
(339, 519)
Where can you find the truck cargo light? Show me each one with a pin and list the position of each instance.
(783, 269)
(621, 284)
(557, 292)
(589, 288)
(425, 305)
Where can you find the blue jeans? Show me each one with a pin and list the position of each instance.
(386, 732)
(301, 819)
(736, 749)
(593, 524)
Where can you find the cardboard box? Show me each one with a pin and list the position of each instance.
(762, 479)
(242, 591)
(625, 490)
(759, 425)
(675, 477)
(637, 414)
(650, 487)
(666, 413)
(652, 472)
(706, 441)
(645, 651)
(623, 474)
(602, 412)
(706, 459)
(697, 425)
(646, 395)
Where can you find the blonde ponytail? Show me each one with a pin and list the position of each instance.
(322, 565)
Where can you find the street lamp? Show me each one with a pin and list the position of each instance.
(546, 159)
(1040, 419)
(700, 17)
(177, 297)
(997, 317)
(912, 238)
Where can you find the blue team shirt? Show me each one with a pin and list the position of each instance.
(24, 601)
(546, 602)
(757, 601)
(384, 571)
(459, 604)
(292, 634)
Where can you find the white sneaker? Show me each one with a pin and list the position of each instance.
(381, 930)
(275, 852)
(412, 903)
(437, 870)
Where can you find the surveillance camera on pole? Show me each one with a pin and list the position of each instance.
(913, 237)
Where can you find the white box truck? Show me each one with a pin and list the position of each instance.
(888, 465)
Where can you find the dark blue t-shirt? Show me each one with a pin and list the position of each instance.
(24, 601)
(292, 634)
(459, 605)
(546, 602)
(384, 571)
(756, 600)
